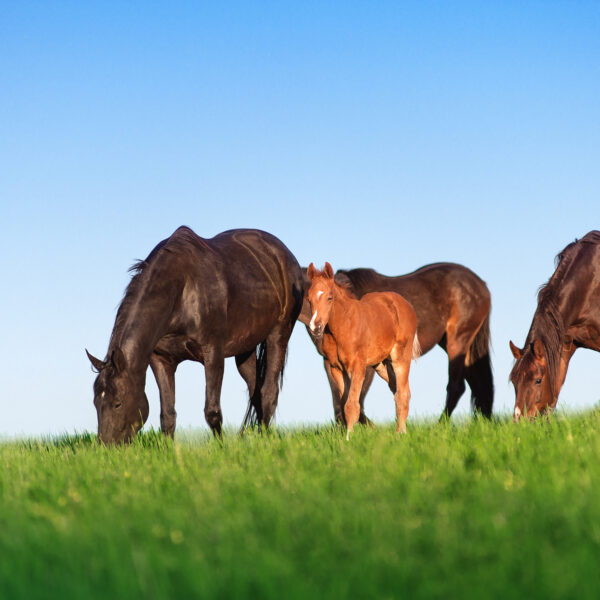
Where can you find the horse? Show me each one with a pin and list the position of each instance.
(378, 331)
(236, 294)
(453, 311)
(567, 317)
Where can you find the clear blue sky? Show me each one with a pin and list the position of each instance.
(374, 134)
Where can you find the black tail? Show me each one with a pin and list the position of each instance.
(479, 371)
(254, 411)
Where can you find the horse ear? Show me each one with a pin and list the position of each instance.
(96, 362)
(538, 349)
(328, 270)
(118, 360)
(516, 352)
(310, 272)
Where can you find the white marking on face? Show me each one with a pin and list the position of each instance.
(102, 395)
(312, 322)
(517, 412)
(319, 294)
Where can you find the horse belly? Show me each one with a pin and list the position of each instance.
(249, 324)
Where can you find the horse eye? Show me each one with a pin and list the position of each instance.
(330, 298)
(117, 405)
(538, 381)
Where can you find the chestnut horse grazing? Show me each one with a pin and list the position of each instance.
(453, 311)
(567, 317)
(237, 294)
(379, 331)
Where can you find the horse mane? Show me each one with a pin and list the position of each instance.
(133, 289)
(547, 324)
(358, 278)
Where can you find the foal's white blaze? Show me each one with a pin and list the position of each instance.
(319, 293)
(517, 412)
(312, 324)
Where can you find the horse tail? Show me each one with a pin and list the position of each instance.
(254, 411)
(479, 370)
(416, 348)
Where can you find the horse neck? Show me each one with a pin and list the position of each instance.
(550, 323)
(140, 323)
(342, 304)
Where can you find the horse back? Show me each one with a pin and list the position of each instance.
(390, 311)
(437, 292)
(235, 287)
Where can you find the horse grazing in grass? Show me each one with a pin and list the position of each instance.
(453, 311)
(379, 331)
(237, 294)
(567, 317)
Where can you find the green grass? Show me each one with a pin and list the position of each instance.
(464, 510)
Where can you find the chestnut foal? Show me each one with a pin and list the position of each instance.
(379, 330)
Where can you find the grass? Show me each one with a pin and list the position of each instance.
(465, 510)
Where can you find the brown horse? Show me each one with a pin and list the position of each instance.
(453, 309)
(379, 331)
(567, 317)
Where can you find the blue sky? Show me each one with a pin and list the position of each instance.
(387, 135)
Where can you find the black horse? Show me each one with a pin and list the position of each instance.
(237, 294)
(453, 311)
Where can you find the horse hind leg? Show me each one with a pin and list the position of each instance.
(400, 363)
(480, 379)
(362, 418)
(247, 365)
(456, 384)
(275, 353)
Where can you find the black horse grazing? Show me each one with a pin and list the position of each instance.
(453, 309)
(237, 294)
(567, 317)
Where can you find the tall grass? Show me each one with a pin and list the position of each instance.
(465, 510)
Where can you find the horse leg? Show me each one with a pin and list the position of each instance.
(362, 418)
(480, 379)
(276, 348)
(246, 365)
(214, 365)
(400, 358)
(164, 373)
(337, 394)
(456, 383)
(352, 407)
(458, 340)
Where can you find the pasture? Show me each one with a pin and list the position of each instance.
(466, 509)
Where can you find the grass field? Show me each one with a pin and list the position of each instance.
(464, 510)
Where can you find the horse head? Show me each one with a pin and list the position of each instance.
(530, 377)
(320, 297)
(119, 398)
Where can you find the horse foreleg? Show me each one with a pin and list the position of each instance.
(352, 407)
(214, 365)
(164, 373)
(336, 383)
